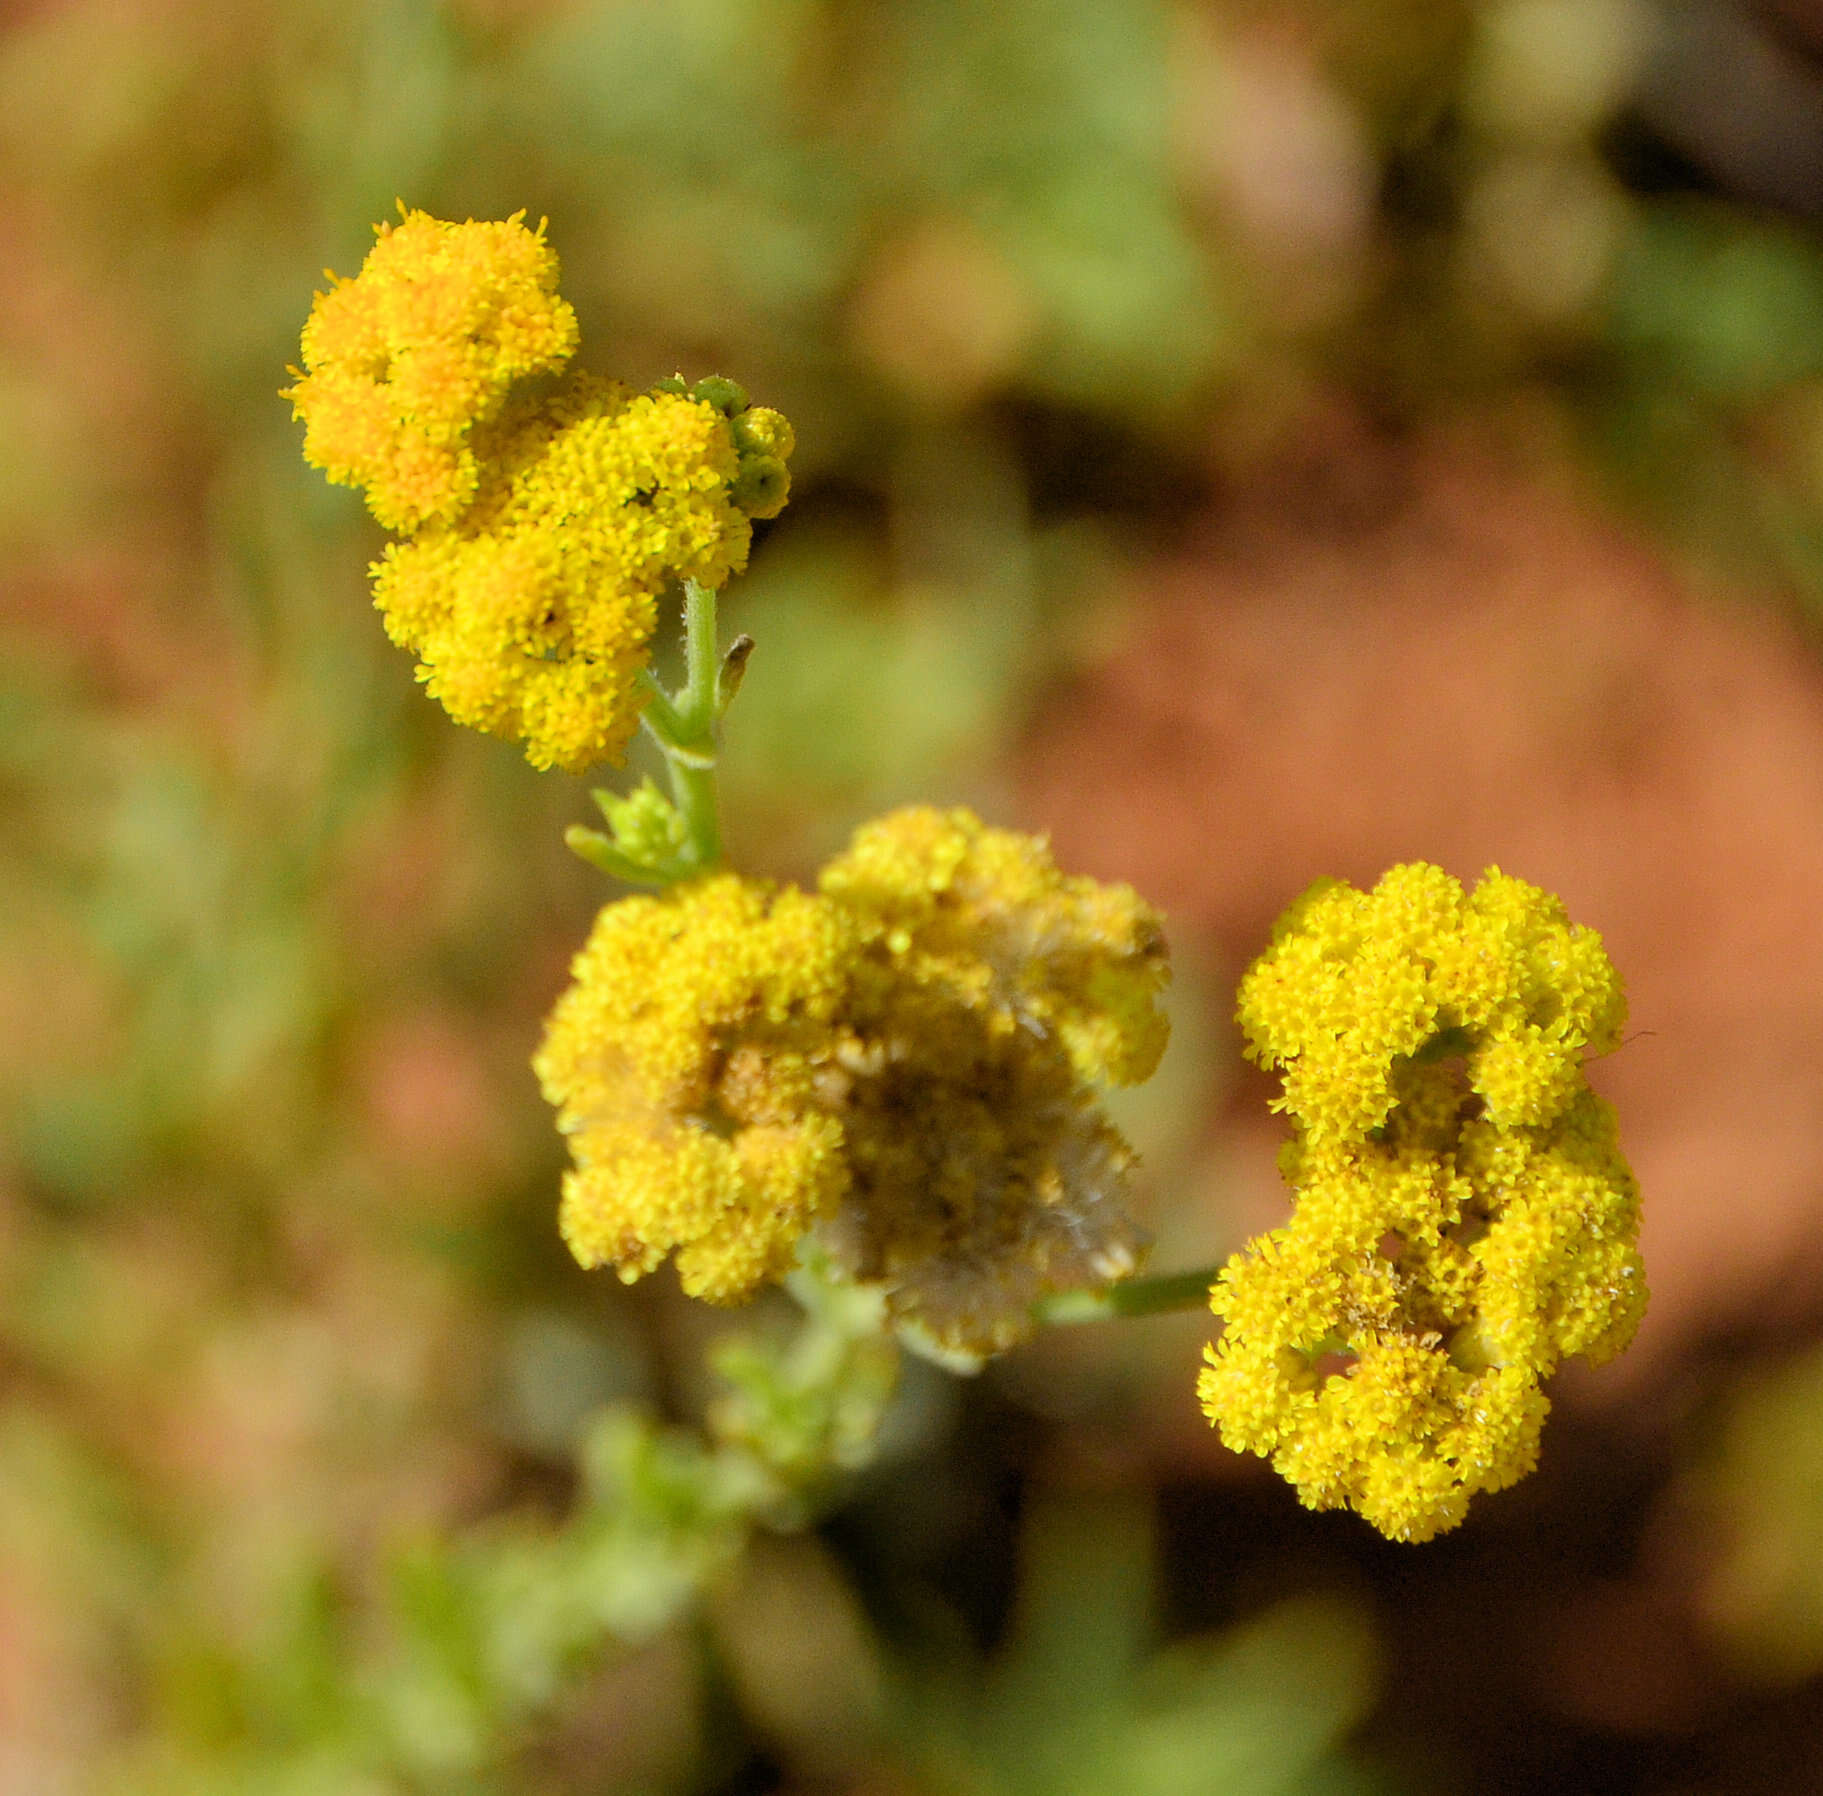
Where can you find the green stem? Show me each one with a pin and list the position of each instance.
(693, 792)
(702, 660)
(1132, 1297)
(684, 727)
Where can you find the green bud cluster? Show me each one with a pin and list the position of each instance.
(762, 440)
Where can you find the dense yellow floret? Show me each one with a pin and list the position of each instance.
(1355, 980)
(684, 1061)
(891, 1061)
(540, 522)
(404, 361)
(1464, 1215)
(533, 617)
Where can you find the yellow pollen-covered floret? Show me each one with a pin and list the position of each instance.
(1464, 1216)
(683, 1061)
(533, 617)
(405, 360)
(737, 1063)
(539, 521)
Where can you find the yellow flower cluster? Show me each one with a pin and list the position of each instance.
(539, 520)
(902, 1060)
(1464, 1216)
(685, 1059)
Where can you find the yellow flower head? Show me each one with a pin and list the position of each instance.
(1464, 1215)
(540, 523)
(1355, 981)
(685, 1063)
(900, 1061)
(405, 360)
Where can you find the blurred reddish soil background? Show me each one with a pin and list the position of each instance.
(1395, 653)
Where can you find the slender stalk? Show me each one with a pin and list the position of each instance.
(684, 727)
(693, 792)
(1133, 1297)
(702, 659)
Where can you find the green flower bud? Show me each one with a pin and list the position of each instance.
(761, 486)
(727, 396)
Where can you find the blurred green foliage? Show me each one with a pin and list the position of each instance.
(1079, 1699)
(312, 1471)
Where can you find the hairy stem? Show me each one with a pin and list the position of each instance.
(683, 725)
